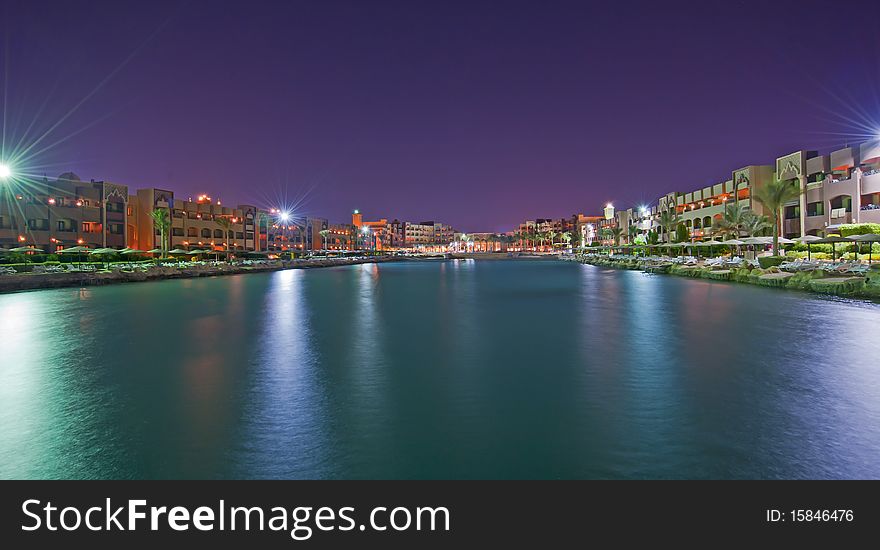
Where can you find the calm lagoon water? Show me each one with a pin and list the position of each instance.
(458, 369)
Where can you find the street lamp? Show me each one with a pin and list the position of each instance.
(5, 171)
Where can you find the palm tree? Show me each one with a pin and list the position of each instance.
(225, 223)
(324, 234)
(616, 232)
(754, 224)
(162, 220)
(541, 237)
(773, 196)
(732, 220)
(669, 221)
(632, 232)
(551, 236)
(566, 237)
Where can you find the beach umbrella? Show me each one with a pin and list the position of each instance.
(131, 251)
(155, 251)
(710, 244)
(104, 251)
(807, 239)
(4, 250)
(179, 251)
(869, 238)
(78, 250)
(26, 249)
(832, 241)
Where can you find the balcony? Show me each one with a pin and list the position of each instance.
(870, 183)
(869, 215)
(839, 215)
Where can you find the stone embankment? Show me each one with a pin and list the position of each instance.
(817, 280)
(33, 281)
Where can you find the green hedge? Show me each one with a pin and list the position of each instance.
(770, 261)
(859, 229)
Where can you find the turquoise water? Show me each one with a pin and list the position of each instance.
(458, 369)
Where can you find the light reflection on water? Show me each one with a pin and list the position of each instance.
(436, 370)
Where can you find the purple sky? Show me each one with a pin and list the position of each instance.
(477, 114)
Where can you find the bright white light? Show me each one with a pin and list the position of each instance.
(365, 229)
(609, 205)
(5, 171)
(284, 216)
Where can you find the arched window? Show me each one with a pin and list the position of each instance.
(206, 233)
(218, 233)
(192, 232)
(707, 221)
(696, 223)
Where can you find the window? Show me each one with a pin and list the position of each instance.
(218, 233)
(816, 209)
(206, 233)
(192, 232)
(38, 224)
(177, 232)
(129, 211)
(238, 235)
(90, 227)
(792, 212)
(116, 228)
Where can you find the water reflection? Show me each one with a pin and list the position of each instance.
(437, 370)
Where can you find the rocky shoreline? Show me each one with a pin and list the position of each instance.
(32, 281)
(816, 281)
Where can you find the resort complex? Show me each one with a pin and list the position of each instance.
(806, 201)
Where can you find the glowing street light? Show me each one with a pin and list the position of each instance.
(284, 216)
(5, 171)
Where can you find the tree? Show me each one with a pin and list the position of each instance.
(225, 223)
(754, 224)
(631, 232)
(669, 220)
(551, 236)
(324, 234)
(566, 237)
(162, 221)
(682, 235)
(616, 232)
(732, 220)
(773, 195)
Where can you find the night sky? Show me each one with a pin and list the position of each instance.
(477, 114)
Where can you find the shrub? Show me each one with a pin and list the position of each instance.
(859, 229)
(770, 261)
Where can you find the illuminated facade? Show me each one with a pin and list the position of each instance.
(841, 187)
(64, 212)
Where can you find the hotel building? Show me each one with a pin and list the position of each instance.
(64, 212)
(841, 187)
